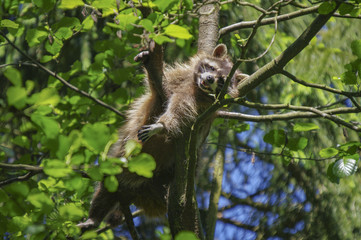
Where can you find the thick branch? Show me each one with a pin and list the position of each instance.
(62, 80)
(208, 26)
(279, 62)
(216, 184)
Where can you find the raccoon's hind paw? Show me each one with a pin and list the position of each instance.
(142, 56)
(87, 225)
(146, 131)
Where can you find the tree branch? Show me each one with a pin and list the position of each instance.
(267, 21)
(62, 80)
(216, 184)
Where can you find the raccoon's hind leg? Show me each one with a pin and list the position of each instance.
(102, 203)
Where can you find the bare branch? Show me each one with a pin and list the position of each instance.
(62, 80)
(267, 21)
(293, 115)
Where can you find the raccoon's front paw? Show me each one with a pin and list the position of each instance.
(142, 56)
(146, 131)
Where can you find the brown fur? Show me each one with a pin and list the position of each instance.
(185, 100)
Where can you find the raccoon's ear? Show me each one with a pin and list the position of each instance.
(220, 51)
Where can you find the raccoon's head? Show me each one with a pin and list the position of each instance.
(212, 71)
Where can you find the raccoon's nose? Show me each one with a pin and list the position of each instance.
(210, 79)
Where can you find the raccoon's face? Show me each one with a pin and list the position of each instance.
(210, 75)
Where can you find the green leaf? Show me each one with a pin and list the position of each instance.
(125, 21)
(160, 39)
(344, 167)
(63, 146)
(356, 48)
(275, 137)
(164, 5)
(110, 168)
(96, 136)
(296, 144)
(330, 175)
(18, 189)
(328, 152)
(132, 147)
(71, 212)
(64, 33)
(49, 126)
(36, 36)
(304, 127)
(95, 173)
(14, 76)
(147, 24)
(345, 8)
(44, 5)
(111, 183)
(143, 165)
(55, 47)
(326, 7)
(47, 96)
(87, 24)
(186, 235)
(349, 78)
(16, 97)
(70, 4)
(8, 24)
(22, 141)
(56, 168)
(177, 32)
(41, 202)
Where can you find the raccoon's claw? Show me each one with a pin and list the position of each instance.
(146, 131)
(142, 56)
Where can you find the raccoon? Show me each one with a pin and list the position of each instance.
(189, 88)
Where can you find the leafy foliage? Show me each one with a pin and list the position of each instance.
(66, 135)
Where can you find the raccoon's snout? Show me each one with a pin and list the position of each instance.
(210, 79)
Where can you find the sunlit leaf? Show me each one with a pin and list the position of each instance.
(143, 165)
(177, 31)
(164, 5)
(186, 235)
(41, 201)
(36, 36)
(14, 76)
(71, 212)
(96, 136)
(47, 96)
(70, 4)
(344, 167)
(111, 183)
(8, 23)
(56, 168)
(304, 127)
(48, 125)
(328, 152)
(16, 97)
